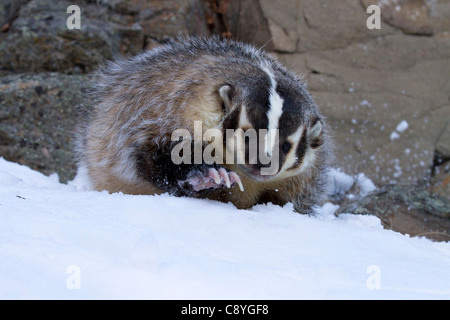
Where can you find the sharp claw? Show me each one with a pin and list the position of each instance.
(235, 178)
(214, 179)
(214, 175)
(224, 175)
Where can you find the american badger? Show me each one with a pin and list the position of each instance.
(129, 141)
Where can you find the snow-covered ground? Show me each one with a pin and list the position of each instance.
(61, 241)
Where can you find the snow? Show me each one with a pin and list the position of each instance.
(338, 182)
(394, 135)
(365, 184)
(61, 241)
(365, 103)
(402, 126)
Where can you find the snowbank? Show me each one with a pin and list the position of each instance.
(60, 241)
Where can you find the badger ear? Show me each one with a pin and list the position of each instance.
(315, 134)
(315, 130)
(226, 92)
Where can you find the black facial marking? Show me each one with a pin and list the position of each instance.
(286, 146)
(231, 120)
(258, 101)
(302, 147)
(292, 116)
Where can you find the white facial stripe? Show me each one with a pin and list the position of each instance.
(243, 118)
(274, 113)
(291, 157)
(308, 159)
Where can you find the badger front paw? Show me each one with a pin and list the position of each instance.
(210, 179)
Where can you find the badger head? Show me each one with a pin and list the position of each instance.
(271, 125)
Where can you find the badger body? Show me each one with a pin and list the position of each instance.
(136, 104)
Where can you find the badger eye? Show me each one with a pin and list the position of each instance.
(286, 147)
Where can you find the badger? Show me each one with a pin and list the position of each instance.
(126, 140)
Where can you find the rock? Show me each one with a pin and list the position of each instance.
(9, 10)
(283, 40)
(151, 44)
(408, 209)
(440, 181)
(326, 25)
(37, 117)
(283, 22)
(440, 184)
(163, 20)
(248, 23)
(2, 14)
(443, 142)
(439, 13)
(410, 16)
(39, 40)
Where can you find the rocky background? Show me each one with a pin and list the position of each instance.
(365, 81)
